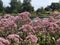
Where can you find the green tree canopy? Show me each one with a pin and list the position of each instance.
(7, 9)
(19, 6)
(1, 6)
(15, 5)
(40, 9)
(53, 6)
(27, 6)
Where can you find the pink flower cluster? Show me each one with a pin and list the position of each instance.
(32, 38)
(14, 37)
(7, 23)
(58, 41)
(27, 27)
(4, 41)
(23, 18)
(36, 24)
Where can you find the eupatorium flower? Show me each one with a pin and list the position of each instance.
(51, 19)
(58, 41)
(25, 13)
(37, 24)
(14, 37)
(23, 18)
(1, 43)
(27, 28)
(32, 38)
(45, 22)
(7, 23)
(4, 41)
(54, 25)
(0, 17)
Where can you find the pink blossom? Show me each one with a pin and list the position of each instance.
(7, 23)
(1, 43)
(53, 27)
(37, 24)
(27, 28)
(32, 38)
(51, 19)
(22, 18)
(25, 13)
(58, 41)
(45, 22)
(37, 21)
(4, 41)
(0, 17)
(14, 37)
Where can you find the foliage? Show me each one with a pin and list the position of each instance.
(53, 6)
(27, 6)
(16, 6)
(7, 9)
(1, 6)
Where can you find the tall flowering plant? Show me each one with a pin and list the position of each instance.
(22, 30)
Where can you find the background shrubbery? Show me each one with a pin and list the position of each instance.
(16, 6)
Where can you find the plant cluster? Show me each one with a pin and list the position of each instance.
(22, 30)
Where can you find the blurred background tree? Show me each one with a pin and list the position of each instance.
(1, 6)
(27, 6)
(16, 6)
(19, 6)
(13, 5)
(7, 9)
